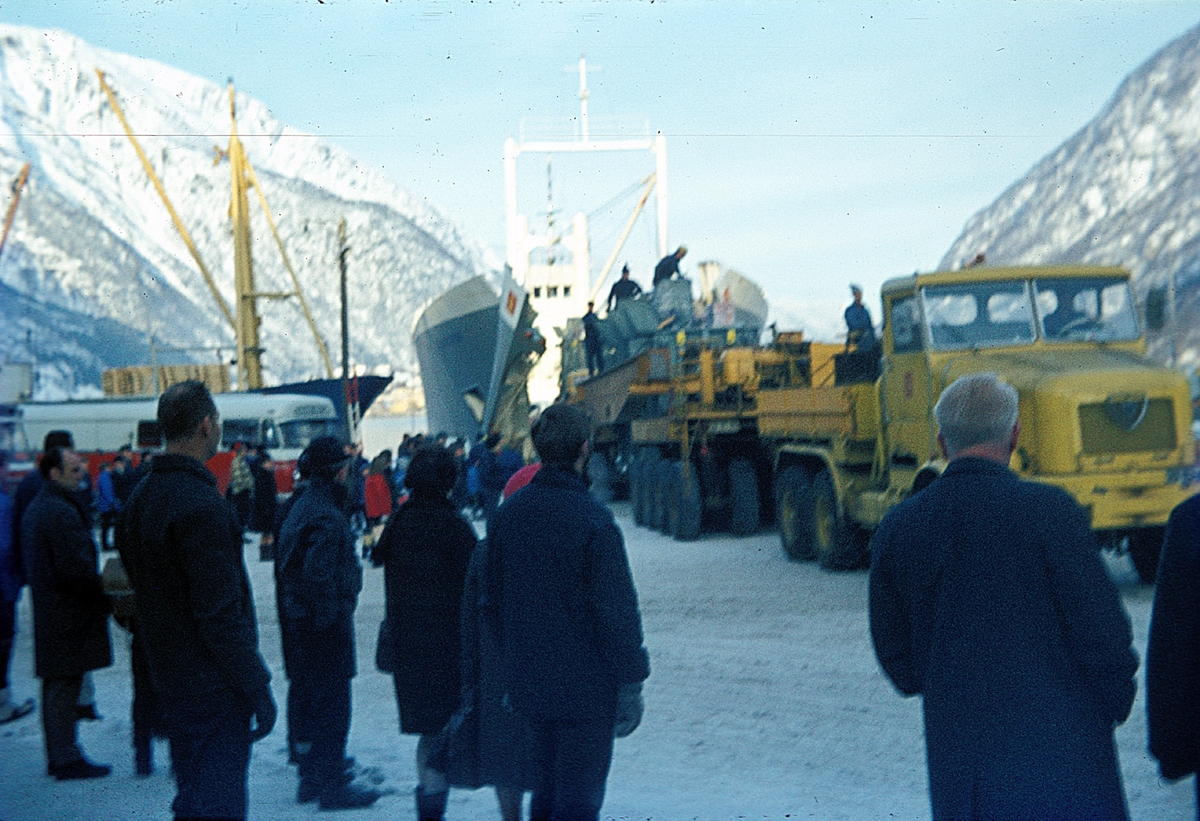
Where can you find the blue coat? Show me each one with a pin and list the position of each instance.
(988, 598)
(1173, 655)
(559, 587)
(319, 580)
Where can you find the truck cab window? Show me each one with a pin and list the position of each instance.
(1092, 310)
(905, 325)
(978, 315)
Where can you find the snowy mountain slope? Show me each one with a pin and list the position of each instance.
(92, 243)
(1124, 190)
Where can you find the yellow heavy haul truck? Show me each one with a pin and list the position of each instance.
(717, 431)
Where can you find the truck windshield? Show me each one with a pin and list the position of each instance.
(299, 433)
(1094, 310)
(978, 315)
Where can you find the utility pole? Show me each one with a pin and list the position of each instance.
(342, 251)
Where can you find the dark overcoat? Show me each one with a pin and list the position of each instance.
(1173, 654)
(70, 610)
(424, 550)
(182, 549)
(504, 740)
(989, 599)
(320, 579)
(560, 587)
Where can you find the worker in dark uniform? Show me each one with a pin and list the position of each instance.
(860, 331)
(624, 288)
(592, 342)
(668, 266)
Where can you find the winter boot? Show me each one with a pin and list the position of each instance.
(143, 756)
(347, 797)
(11, 712)
(431, 806)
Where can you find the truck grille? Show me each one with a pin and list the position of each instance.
(1127, 425)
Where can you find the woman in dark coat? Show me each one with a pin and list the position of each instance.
(424, 551)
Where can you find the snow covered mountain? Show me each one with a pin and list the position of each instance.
(1124, 190)
(94, 268)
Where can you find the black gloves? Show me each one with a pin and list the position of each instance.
(629, 709)
(262, 707)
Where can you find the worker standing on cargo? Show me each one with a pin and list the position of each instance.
(988, 598)
(668, 266)
(593, 342)
(860, 331)
(623, 289)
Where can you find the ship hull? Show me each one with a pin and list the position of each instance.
(455, 338)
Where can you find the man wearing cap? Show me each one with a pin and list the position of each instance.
(860, 331)
(623, 289)
(668, 266)
(319, 581)
(182, 549)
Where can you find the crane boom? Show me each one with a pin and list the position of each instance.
(158, 186)
(18, 184)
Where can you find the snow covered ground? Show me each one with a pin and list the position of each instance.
(764, 702)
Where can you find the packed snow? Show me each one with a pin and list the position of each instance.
(764, 702)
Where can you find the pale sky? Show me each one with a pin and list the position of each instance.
(810, 144)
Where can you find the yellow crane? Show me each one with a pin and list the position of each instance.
(245, 323)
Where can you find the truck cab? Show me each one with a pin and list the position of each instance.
(1097, 418)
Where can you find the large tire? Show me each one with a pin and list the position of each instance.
(743, 498)
(637, 499)
(668, 479)
(1145, 546)
(793, 512)
(655, 498)
(832, 536)
(686, 505)
(600, 474)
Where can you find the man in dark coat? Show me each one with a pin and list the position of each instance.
(668, 266)
(182, 550)
(319, 581)
(989, 599)
(593, 341)
(560, 591)
(623, 289)
(1173, 654)
(70, 610)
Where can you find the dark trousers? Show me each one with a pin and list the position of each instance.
(570, 765)
(108, 524)
(59, 699)
(297, 732)
(595, 356)
(326, 703)
(147, 721)
(210, 752)
(8, 629)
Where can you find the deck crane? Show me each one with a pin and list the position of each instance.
(245, 319)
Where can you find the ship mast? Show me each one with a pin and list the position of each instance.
(249, 353)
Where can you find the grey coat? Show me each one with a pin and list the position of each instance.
(70, 610)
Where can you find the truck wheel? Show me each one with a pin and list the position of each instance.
(743, 498)
(1145, 545)
(668, 480)
(600, 473)
(832, 537)
(793, 511)
(637, 499)
(686, 507)
(655, 497)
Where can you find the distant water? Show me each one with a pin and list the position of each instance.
(385, 432)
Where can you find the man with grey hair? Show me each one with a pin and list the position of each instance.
(988, 599)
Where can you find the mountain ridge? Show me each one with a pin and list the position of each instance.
(92, 239)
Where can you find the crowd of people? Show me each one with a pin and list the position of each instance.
(517, 660)
(458, 638)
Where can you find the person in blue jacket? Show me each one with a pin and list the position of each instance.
(988, 598)
(1173, 654)
(560, 595)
